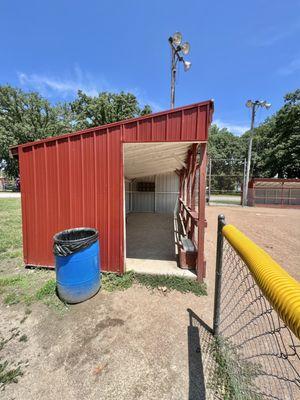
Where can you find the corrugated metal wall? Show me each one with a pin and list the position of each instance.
(142, 201)
(164, 198)
(77, 180)
(72, 182)
(166, 192)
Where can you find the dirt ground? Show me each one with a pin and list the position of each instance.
(276, 230)
(137, 343)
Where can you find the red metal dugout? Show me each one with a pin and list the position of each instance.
(78, 180)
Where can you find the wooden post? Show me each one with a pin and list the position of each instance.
(194, 169)
(201, 213)
(188, 197)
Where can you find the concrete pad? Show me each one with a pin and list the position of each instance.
(157, 267)
(150, 245)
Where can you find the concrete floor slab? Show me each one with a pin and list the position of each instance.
(150, 245)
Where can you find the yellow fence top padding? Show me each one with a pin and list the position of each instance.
(281, 290)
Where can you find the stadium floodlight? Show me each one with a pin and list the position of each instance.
(177, 38)
(187, 65)
(185, 48)
(254, 105)
(178, 51)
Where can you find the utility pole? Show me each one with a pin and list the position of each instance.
(254, 106)
(173, 77)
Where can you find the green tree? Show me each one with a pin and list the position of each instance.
(25, 117)
(276, 142)
(105, 108)
(226, 152)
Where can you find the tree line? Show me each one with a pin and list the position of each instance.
(27, 116)
(275, 153)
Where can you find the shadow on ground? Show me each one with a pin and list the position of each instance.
(201, 362)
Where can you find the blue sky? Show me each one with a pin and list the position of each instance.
(239, 50)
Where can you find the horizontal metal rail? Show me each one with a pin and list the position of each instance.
(280, 289)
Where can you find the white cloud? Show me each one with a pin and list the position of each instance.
(233, 128)
(291, 68)
(64, 87)
(68, 86)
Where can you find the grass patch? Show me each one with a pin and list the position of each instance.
(48, 289)
(233, 377)
(10, 229)
(13, 280)
(178, 283)
(112, 282)
(29, 288)
(226, 201)
(12, 298)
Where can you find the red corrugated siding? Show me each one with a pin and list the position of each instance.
(77, 180)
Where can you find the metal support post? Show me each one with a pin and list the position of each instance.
(218, 280)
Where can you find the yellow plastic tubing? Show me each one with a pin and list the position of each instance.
(281, 290)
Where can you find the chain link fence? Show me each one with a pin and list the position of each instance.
(256, 354)
(225, 180)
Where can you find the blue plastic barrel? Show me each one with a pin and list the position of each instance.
(77, 256)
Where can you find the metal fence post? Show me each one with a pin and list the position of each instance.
(219, 262)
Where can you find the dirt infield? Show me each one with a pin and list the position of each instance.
(277, 231)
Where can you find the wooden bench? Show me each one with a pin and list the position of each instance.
(187, 251)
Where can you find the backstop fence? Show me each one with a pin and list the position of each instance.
(256, 322)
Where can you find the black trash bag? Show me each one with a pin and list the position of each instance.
(72, 240)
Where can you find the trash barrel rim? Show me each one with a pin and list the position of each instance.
(93, 236)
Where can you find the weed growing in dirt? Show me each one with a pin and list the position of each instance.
(12, 298)
(111, 282)
(23, 338)
(48, 289)
(170, 282)
(8, 375)
(16, 280)
(233, 377)
(9, 370)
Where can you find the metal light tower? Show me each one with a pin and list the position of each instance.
(254, 105)
(178, 50)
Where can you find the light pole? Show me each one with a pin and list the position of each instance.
(254, 105)
(178, 50)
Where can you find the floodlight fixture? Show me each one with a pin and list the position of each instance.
(177, 38)
(178, 52)
(185, 48)
(187, 65)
